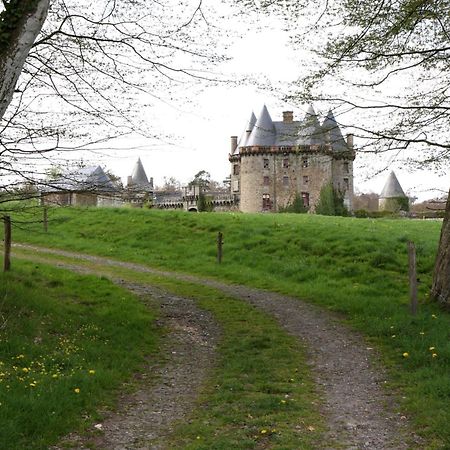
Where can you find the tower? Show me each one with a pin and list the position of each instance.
(275, 161)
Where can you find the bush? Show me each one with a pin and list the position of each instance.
(296, 206)
(331, 202)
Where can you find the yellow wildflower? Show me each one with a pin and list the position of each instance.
(263, 431)
(434, 355)
(77, 390)
(405, 355)
(91, 372)
(431, 349)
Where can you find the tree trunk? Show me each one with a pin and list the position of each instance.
(440, 289)
(21, 22)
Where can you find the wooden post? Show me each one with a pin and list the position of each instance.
(45, 219)
(412, 277)
(7, 244)
(219, 247)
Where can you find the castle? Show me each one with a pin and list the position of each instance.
(273, 162)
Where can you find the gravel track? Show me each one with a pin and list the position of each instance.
(359, 411)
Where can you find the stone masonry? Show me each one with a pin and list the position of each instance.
(272, 162)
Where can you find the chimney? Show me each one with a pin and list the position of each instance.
(151, 182)
(129, 180)
(234, 143)
(288, 116)
(350, 140)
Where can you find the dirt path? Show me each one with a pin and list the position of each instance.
(359, 412)
(166, 394)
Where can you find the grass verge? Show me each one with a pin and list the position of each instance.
(355, 267)
(261, 393)
(67, 342)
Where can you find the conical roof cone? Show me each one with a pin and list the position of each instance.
(309, 132)
(392, 188)
(331, 127)
(245, 135)
(138, 176)
(263, 133)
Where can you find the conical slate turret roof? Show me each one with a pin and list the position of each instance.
(138, 176)
(263, 132)
(392, 188)
(331, 128)
(309, 132)
(245, 135)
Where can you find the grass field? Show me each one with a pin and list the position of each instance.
(355, 267)
(67, 343)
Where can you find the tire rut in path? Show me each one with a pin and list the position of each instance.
(360, 414)
(166, 393)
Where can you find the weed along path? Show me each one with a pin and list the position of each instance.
(359, 412)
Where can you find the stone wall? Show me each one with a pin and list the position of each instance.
(279, 177)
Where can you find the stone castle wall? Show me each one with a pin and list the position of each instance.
(279, 176)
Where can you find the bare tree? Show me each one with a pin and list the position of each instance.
(74, 73)
(389, 63)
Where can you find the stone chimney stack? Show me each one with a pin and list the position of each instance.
(350, 140)
(288, 116)
(151, 182)
(129, 180)
(234, 143)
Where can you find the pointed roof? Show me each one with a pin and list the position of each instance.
(263, 133)
(309, 132)
(138, 176)
(251, 122)
(392, 188)
(331, 127)
(92, 179)
(246, 133)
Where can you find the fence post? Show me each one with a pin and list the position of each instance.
(45, 219)
(412, 277)
(219, 247)
(7, 244)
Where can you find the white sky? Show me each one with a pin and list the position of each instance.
(203, 125)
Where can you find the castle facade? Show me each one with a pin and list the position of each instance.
(273, 162)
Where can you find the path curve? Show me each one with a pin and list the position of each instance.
(359, 411)
(167, 393)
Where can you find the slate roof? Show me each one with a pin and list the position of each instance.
(266, 132)
(138, 176)
(333, 132)
(246, 133)
(263, 133)
(392, 188)
(89, 179)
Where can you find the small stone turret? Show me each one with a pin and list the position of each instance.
(392, 197)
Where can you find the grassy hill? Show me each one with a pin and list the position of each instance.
(355, 267)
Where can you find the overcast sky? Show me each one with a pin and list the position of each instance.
(199, 125)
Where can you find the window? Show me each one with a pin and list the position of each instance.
(266, 163)
(306, 179)
(305, 198)
(267, 204)
(285, 181)
(236, 169)
(305, 162)
(346, 183)
(346, 167)
(285, 163)
(235, 185)
(266, 181)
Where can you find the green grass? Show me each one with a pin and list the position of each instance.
(261, 391)
(355, 267)
(64, 351)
